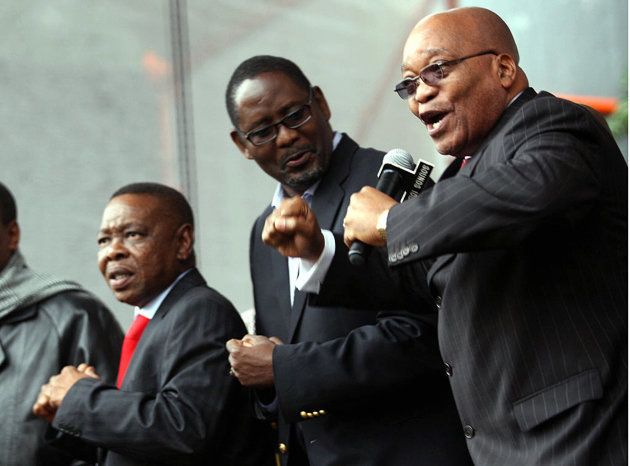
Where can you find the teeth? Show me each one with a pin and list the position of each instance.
(119, 275)
(436, 125)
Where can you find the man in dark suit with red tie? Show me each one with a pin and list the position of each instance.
(175, 402)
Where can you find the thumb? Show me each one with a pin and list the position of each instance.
(233, 344)
(91, 372)
(276, 340)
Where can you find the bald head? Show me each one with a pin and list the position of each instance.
(473, 28)
(468, 64)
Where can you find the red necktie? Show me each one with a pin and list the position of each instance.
(465, 160)
(129, 345)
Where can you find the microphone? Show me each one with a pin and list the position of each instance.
(392, 179)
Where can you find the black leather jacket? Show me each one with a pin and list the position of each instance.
(36, 342)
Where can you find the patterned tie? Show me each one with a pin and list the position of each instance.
(129, 345)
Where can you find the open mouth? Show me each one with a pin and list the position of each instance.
(119, 279)
(433, 120)
(298, 158)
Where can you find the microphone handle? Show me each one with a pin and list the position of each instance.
(389, 183)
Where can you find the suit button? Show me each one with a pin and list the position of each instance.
(399, 255)
(309, 415)
(449, 369)
(414, 248)
(303, 414)
(282, 448)
(322, 412)
(438, 301)
(469, 432)
(392, 258)
(405, 251)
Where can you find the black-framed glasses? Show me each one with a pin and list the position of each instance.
(293, 120)
(431, 75)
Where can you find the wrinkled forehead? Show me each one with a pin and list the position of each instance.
(266, 96)
(130, 208)
(421, 47)
(447, 35)
(266, 87)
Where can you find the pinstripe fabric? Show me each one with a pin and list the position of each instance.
(527, 247)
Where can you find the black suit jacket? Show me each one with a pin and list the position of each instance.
(350, 378)
(526, 250)
(177, 404)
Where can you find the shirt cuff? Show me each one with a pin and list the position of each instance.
(311, 274)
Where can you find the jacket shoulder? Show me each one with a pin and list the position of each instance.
(205, 304)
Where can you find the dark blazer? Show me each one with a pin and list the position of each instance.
(347, 381)
(177, 404)
(526, 252)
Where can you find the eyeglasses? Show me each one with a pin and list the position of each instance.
(431, 75)
(293, 120)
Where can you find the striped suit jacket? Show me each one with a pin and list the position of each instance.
(525, 251)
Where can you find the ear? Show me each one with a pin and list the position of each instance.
(241, 143)
(13, 231)
(185, 240)
(507, 70)
(318, 95)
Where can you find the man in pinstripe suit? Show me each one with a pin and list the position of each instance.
(524, 248)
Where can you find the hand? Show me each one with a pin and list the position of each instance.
(52, 394)
(252, 360)
(362, 215)
(88, 370)
(292, 229)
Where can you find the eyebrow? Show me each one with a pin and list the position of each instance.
(429, 52)
(121, 227)
(262, 122)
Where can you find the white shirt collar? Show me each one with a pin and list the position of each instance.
(514, 98)
(149, 309)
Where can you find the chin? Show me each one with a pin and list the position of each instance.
(306, 179)
(125, 298)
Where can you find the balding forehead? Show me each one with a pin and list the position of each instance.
(464, 30)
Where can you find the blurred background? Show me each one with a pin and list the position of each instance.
(96, 95)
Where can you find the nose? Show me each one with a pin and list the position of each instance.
(286, 136)
(116, 250)
(424, 92)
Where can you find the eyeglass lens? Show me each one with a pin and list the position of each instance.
(292, 120)
(431, 75)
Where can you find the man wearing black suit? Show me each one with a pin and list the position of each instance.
(524, 248)
(345, 387)
(176, 403)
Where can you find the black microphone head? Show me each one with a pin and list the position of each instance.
(400, 158)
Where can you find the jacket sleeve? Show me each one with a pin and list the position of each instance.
(175, 421)
(549, 176)
(373, 286)
(351, 371)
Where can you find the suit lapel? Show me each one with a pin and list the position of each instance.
(525, 96)
(441, 261)
(326, 204)
(280, 281)
(192, 279)
(470, 167)
(330, 193)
